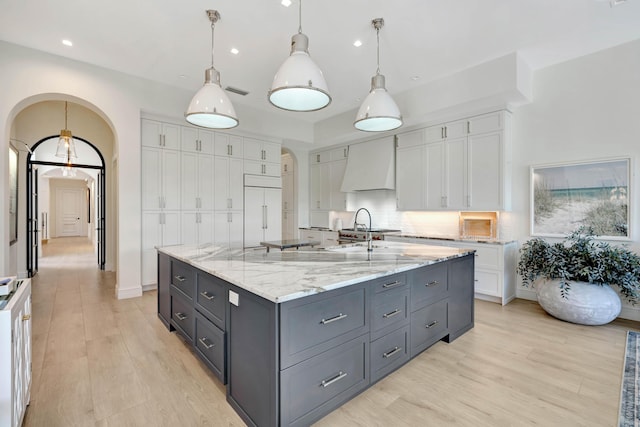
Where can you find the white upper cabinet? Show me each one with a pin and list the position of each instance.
(197, 140)
(460, 165)
(160, 135)
(228, 184)
(255, 149)
(160, 179)
(228, 145)
(197, 181)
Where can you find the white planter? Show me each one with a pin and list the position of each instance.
(585, 303)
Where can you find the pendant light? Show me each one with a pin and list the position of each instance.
(378, 112)
(299, 84)
(66, 146)
(210, 106)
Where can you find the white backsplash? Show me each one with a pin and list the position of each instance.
(382, 205)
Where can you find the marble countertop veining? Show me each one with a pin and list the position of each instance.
(453, 238)
(280, 276)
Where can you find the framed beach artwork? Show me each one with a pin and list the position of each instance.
(567, 196)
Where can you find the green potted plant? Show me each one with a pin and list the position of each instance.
(578, 273)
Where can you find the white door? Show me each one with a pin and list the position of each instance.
(69, 202)
(272, 214)
(254, 216)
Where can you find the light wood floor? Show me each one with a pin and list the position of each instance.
(98, 361)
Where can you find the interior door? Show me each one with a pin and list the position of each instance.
(254, 216)
(33, 240)
(69, 202)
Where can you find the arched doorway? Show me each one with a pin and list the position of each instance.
(90, 167)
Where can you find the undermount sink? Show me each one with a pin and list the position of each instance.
(362, 247)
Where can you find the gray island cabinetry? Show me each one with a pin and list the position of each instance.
(291, 354)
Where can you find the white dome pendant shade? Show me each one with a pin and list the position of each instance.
(299, 84)
(210, 106)
(378, 112)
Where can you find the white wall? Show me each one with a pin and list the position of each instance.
(31, 76)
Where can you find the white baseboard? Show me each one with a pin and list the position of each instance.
(151, 287)
(525, 293)
(128, 293)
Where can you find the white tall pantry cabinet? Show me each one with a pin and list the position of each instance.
(263, 208)
(193, 187)
(15, 354)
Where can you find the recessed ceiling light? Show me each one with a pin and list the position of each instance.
(357, 43)
(614, 3)
(286, 3)
(235, 51)
(67, 42)
(415, 78)
(183, 76)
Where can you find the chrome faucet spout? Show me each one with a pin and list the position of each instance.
(355, 227)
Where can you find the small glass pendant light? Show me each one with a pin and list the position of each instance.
(66, 146)
(378, 112)
(210, 106)
(299, 84)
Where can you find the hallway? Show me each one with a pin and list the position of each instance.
(107, 362)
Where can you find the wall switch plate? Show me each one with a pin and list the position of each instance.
(234, 298)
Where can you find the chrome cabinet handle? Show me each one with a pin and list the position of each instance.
(392, 313)
(468, 126)
(388, 354)
(328, 382)
(333, 319)
(391, 285)
(181, 316)
(180, 278)
(204, 340)
(207, 295)
(432, 283)
(431, 325)
(229, 204)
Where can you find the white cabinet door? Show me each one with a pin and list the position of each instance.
(273, 214)
(486, 123)
(228, 145)
(151, 237)
(205, 179)
(189, 140)
(315, 186)
(170, 228)
(254, 216)
(171, 136)
(207, 141)
(151, 178)
(410, 178)
(272, 152)
(253, 149)
(221, 228)
(221, 183)
(314, 235)
(434, 133)
(151, 133)
(189, 181)
(236, 184)
(236, 229)
(171, 179)
(189, 225)
(337, 199)
(456, 170)
(435, 175)
(205, 227)
(485, 171)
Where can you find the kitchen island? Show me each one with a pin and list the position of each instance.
(295, 334)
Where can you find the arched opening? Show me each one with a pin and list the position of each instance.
(71, 204)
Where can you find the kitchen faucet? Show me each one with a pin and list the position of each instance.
(356, 225)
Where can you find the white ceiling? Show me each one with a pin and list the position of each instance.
(169, 40)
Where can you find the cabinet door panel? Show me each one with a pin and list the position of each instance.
(221, 229)
(171, 179)
(211, 297)
(315, 186)
(189, 181)
(205, 181)
(389, 352)
(273, 214)
(435, 176)
(171, 228)
(151, 237)
(411, 139)
(485, 160)
(189, 139)
(252, 149)
(428, 325)
(171, 136)
(151, 178)
(485, 123)
(254, 220)
(236, 184)
(456, 178)
(272, 152)
(235, 229)
(151, 133)
(337, 199)
(206, 139)
(209, 341)
(428, 284)
(182, 315)
(205, 227)
(221, 183)
(189, 228)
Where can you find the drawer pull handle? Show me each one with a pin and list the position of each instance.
(391, 285)
(333, 319)
(393, 313)
(388, 354)
(180, 278)
(181, 316)
(204, 341)
(431, 325)
(207, 296)
(432, 283)
(26, 317)
(327, 383)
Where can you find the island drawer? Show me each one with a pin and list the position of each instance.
(389, 352)
(389, 310)
(428, 325)
(211, 298)
(312, 325)
(314, 387)
(428, 285)
(182, 315)
(389, 283)
(183, 277)
(209, 341)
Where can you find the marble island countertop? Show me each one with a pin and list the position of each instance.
(287, 275)
(451, 238)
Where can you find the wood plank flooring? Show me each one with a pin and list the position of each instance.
(98, 361)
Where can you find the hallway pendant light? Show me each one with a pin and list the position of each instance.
(66, 146)
(378, 112)
(210, 106)
(299, 84)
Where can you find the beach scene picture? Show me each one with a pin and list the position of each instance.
(585, 194)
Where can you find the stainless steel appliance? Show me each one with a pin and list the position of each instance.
(348, 235)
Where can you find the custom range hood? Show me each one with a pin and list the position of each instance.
(371, 166)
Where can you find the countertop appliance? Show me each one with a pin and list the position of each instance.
(348, 235)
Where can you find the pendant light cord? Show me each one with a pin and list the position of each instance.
(378, 53)
(300, 18)
(65, 114)
(213, 24)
